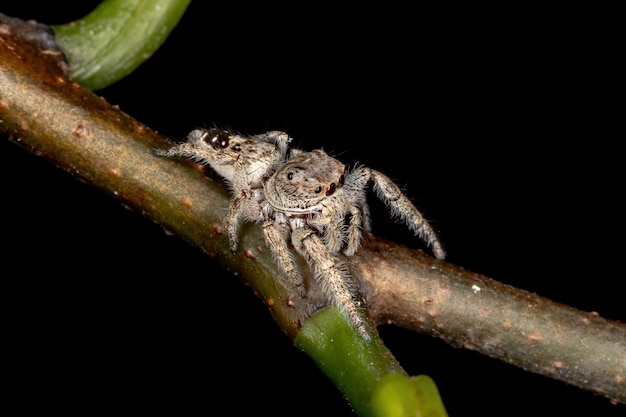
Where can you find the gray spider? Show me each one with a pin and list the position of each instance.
(306, 198)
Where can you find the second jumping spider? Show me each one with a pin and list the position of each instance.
(308, 198)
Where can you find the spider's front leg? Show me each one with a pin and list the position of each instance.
(330, 272)
(255, 158)
(397, 202)
(277, 243)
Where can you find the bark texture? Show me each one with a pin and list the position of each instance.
(44, 111)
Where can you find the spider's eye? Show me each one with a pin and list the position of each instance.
(290, 176)
(331, 189)
(216, 138)
(318, 190)
(219, 141)
(342, 179)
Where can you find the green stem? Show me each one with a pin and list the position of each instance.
(367, 374)
(116, 37)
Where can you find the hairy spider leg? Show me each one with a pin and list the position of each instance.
(400, 206)
(282, 254)
(354, 190)
(243, 203)
(331, 273)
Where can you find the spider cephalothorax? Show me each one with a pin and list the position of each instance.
(306, 198)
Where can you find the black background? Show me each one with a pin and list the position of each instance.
(499, 124)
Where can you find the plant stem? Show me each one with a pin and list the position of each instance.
(116, 37)
(46, 112)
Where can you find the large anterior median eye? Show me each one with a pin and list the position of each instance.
(331, 189)
(218, 139)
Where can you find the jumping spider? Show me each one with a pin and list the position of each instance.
(308, 198)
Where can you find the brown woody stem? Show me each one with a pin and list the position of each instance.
(42, 109)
